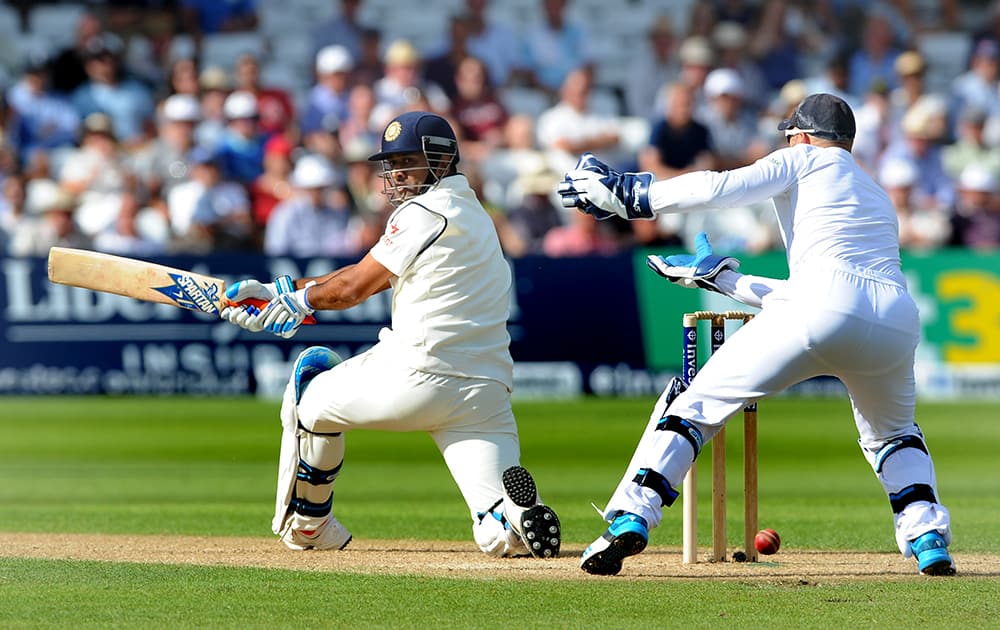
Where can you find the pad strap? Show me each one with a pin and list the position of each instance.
(307, 508)
(649, 478)
(685, 428)
(911, 494)
(317, 476)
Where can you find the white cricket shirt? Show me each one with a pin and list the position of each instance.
(451, 293)
(830, 211)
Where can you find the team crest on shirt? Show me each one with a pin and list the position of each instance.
(392, 131)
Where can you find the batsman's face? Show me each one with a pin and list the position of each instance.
(404, 176)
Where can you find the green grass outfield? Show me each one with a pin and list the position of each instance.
(206, 467)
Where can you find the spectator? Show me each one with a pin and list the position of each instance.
(496, 44)
(443, 62)
(571, 127)
(479, 114)
(272, 187)
(583, 236)
(678, 143)
(209, 213)
(519, 154)
(325, 142)
(182, 77)
(318, 220)
(342, 29)
(12, 205)
(67, 66)
(402, 85)
(329, 97)
(241, 151)
(737, 12)
(920, 144)
(911, 74)
(533, 213)
(775, 43)
(970, 147)
(275, 110)
(360, 112)
(50, 222)
(877, 56)
(214, 87)
(732, 127)
(654, 67)
(127, 102)
(732, 41)
(360, 174)
(976, 217)
(162, 164)
(877, 125)
(978, 86)
(919, 227)
(556, 46)
(127, 237)
(368, 67)
(835, 79)
(697, 58)
(42, 120)
(701, 20)
(206, 17)
(96, 174)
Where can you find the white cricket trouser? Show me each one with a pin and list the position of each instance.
(828, 321)
(470, 419)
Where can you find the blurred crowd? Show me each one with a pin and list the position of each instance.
(149, 149)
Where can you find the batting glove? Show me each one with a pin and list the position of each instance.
(595, 188)
(694, 271)
(248, 297)
(284, 314)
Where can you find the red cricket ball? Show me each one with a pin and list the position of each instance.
(767, 541)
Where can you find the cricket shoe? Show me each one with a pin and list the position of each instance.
(626, 536)
(932, 554)
(536, 523)
(329, 535)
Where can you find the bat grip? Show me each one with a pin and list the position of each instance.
(260, 304)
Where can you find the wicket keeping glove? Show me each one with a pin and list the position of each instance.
(248, 297)
(694, 271)
(595, 188)
(284, 314)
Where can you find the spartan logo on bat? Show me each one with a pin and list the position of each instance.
(187, 293)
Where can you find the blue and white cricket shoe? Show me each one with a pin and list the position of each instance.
(311, 362)
(626, 536)
(932, 554)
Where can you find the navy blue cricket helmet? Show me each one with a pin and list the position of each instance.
(416, 132)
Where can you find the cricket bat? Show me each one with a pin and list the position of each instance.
(142, 280)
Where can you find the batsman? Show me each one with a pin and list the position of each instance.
(844, 311)
(443, 367)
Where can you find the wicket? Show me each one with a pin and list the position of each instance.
(690, 487)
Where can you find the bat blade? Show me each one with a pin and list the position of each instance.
(150, 282)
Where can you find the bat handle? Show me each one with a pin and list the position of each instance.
(260, 304)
